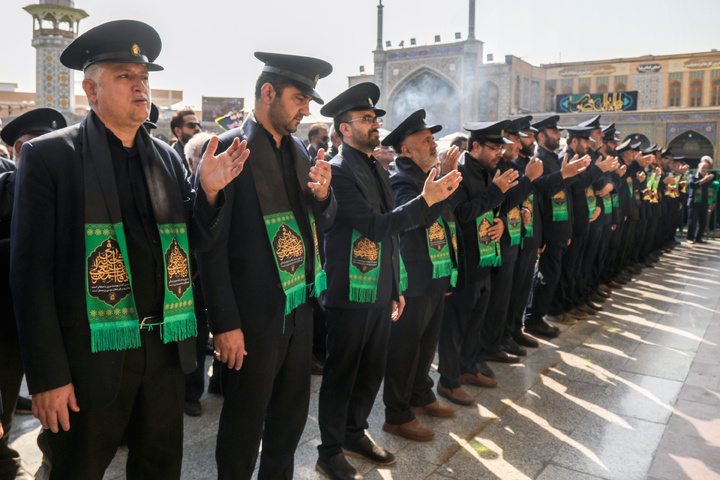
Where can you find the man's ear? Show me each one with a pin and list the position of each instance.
(267, 93)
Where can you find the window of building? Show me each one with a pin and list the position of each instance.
(602, 88)
(696, 93)
(517, 92)
(716, 92)
(567, 90)
(620, 87)
(675, 93)
(584, 85)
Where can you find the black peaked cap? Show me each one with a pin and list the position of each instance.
(304, 72)
(362, 96)
(488, 131)
(37, 121)
(412, 124)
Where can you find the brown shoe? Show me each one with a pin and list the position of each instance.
(413, 430)
(478, 379)
(434, 409)
(606, 289)
(584, 308)
(455, 395)
(614, 284)
(594, 306)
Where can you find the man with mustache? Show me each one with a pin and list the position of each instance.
(265, 268)
(99, 266)
(430, 259)
(364, 292)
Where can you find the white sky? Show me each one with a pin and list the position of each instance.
(208, 45)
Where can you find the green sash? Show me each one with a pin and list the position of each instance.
(629, 182)
(648, 185)
(607, 204)
(289, 253)
(559, 207)
(697, 195)
(111, 310)
(439, 249)
(591, 200)
(364, 268)
(515, 225)
(488, 248)
(320, 276)
(615, 200)
(528, 203)
(403, 283)
(454, 235)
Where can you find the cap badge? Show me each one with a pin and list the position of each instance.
(53, 125)
(135, 49)
(370, 102)
(317, 77)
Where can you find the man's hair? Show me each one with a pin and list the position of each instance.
(315, 129)
(278, 82)
(178, 119)
(457, 141)
(342, 118)
(93, 73)
(197, 140)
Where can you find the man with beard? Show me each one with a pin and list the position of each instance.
(318, 138)
(494, 346)
(431, 262)
(259, 277)
(363, 269)
(565, 305)
(557, 224)
(184, 124)
(479, 230)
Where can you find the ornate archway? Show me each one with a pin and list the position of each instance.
(639, 137)
(693, 145)
(433, 93)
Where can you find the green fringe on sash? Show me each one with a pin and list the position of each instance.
(363, 293)
(320, 283)
(117, 335)
(176, 327)
(454, 277)
(442, 269)
(529, 231)
(294, 297)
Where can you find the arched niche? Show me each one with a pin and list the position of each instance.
(430, 91)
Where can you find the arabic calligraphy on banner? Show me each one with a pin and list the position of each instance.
(597, 102)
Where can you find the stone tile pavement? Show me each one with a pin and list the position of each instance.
(633, 393)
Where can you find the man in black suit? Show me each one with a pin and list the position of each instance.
(99, 267)
(363, 267)
(25, 127)
(259, 279)
(431, 262)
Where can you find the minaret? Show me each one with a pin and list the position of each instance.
(380, 27)
(55, 25)
(471, 21)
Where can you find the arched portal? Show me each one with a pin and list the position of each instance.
(429, 91)
(693, 145)
(639, 137)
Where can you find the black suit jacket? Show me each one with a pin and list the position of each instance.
(47, 273)
(239, 275)
(354, 184)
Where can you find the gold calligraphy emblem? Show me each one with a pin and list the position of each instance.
(108, 266)
(559, 198)
(366, 249)
(484, 232)
(177, 266)
(289, 244)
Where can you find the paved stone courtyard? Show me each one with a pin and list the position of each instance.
(633, 393)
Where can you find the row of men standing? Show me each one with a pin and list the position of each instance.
(98, 373)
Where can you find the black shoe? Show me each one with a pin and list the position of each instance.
(633, 269)
(602, 293)
(23, 406)
(597, 298)
(513, 348)
(525, 340)
(337, 468)
(619, 279)
(365, 448)
(316, 368)
(193, 408)
(542, 329)
(501, 356)
(485, 369)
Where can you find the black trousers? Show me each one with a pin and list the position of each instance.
(565, 298)
(195, 381)
(521, 285)
(413, 341)
(496, 323)
(463, 315)
(319, 331)
(545, 281)
(697, 220)
(267, 399)
(11, 373)
(357, 345)
(148, 411)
